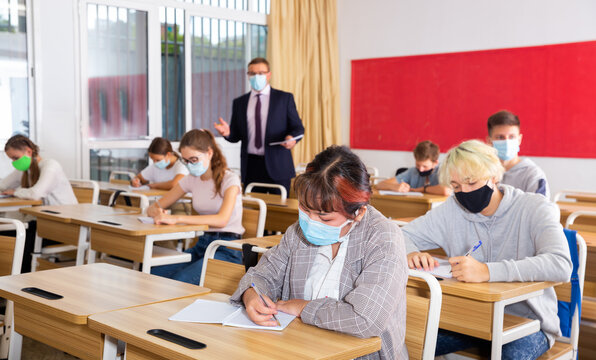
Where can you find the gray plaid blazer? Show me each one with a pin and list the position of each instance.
(372, 285)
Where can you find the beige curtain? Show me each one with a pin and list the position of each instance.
(303, 51)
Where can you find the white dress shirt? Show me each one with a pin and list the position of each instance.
(250, 119)
(323, 277)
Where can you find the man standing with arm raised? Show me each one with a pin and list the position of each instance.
(260, 117)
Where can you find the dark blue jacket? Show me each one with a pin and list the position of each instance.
(282, 120)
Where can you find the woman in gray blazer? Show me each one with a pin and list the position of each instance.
(342, 266)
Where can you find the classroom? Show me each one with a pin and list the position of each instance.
(261, 155)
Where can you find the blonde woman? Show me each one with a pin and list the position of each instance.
(521, 240)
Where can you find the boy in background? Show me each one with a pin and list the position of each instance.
(424, 177)
(522, 173)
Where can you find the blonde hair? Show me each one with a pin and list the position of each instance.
(471, 160)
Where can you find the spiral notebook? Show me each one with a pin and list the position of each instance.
(217, 312)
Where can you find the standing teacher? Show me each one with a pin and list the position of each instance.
(260, 117)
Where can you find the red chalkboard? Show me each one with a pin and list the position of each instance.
(447, 98)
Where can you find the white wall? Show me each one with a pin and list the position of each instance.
(385, 28)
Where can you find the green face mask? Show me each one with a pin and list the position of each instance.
(23, 163)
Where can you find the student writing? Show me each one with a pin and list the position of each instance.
(424, 177)
(342, 266)
(166, 170)
(216, 197)
(522, 240)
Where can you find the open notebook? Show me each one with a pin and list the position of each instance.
(443, 270)
(217, 312)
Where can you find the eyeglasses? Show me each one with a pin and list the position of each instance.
(250, 73)
(193, 160)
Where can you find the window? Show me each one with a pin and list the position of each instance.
(172, 72)
(14, 71)
(104, 161)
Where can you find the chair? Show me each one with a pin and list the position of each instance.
(422, 319)
(123, 200)
(284, 192)
(372, 171)
(115, 180)
(561, 194)
(253, 220)
(300, 168)
(222, 276)
(11, 258)
(565, 347)
(374, 180)
(581, 213)
(86, 191)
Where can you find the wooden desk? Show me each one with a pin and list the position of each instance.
(582, 196)
(280, 214)
(297, 341)
(15, 203)
(582, 223)
(477, 309)
(58, 222)
(399, 206)
(127, 237)
(106, 189)
(263, 242)
(87, 290)
(590, 279)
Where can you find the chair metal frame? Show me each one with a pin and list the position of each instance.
(282, 189)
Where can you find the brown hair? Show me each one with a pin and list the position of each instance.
(426, 150)
(20, 142)
(503, 117)
(336, 180)
(161, 146)
(259, 60)
(202, 140)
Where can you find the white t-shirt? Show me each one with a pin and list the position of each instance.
(52, 187)
(206, 201)
(155, 175)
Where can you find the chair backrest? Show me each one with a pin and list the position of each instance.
(422, 319)
(372, 171)
(564, 292)
(561, 194)
(115, 180)
(222, 276)
(282, 189)
(86, 191)
(11, 248)
(400, 170)
(139, 201)
(569, 223)
(253, 220)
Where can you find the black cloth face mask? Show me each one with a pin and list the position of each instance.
(477, 200)
(425, 173)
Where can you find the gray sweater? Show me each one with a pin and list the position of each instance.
(527, 176)
(522, 241)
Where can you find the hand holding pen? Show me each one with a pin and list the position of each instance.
(259, 308)
(466, 268)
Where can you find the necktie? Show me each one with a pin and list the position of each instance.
(258, 139)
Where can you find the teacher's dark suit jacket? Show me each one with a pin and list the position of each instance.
(282, 120)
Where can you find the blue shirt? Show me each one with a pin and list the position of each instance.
(413, 178)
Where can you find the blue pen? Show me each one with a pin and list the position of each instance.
(474, 248)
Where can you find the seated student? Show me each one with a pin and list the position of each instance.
(166, 170)
(522, 240)
(342, 266)
(522, 173)
(37, 179)
(216, 197)
(424, 177)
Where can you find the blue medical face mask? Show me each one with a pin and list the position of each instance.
(162, 164)
(197, 169)
(507, 149)
(258, 82)
(318, 233)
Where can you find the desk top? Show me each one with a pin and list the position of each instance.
(298, 340)
(66, 213)
(274, 202)
(108, 186)
(425, 198)
(264, 242)
(91, 289)
(131, 226)
(582, 196)
(488, 292)
(590, 238)
(567, 207)
(15, 201)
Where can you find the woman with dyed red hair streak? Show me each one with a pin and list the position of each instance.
(342, 266)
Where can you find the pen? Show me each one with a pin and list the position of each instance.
(472, 249)
(264, 302)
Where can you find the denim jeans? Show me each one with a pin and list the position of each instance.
(190, 272)
(527, 348)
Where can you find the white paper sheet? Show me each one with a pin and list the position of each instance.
(443, 270)
(142, 187)
(146, 219)
(389, 192)
(216, 312)
(281, 142)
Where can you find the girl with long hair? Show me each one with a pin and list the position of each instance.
(166, 170)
